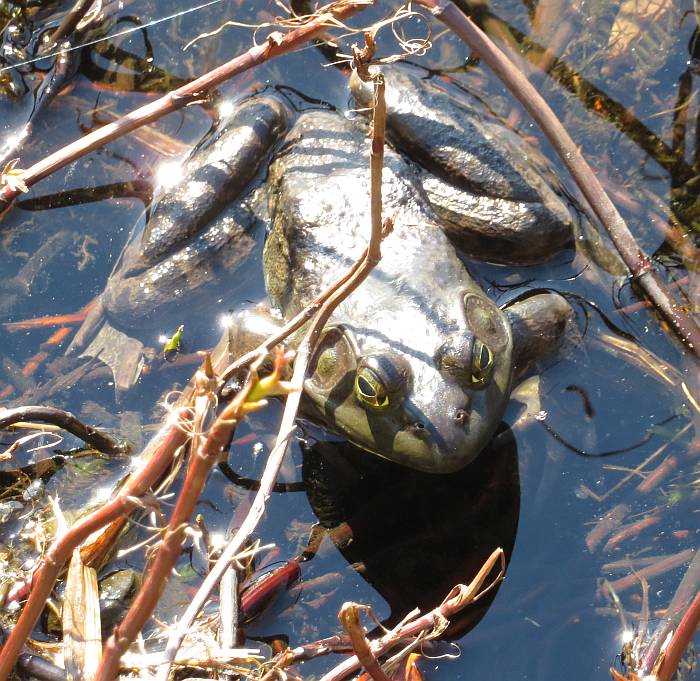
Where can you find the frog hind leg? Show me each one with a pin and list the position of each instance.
(89, 328)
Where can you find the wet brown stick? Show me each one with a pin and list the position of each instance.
(459, 598)
(430, 624)
(275, 46)
(65, 420)
(679, 641)
(349, 617)
(664, 565)
(71, 20)
(202, 459)
(665, 647)
(636, 260)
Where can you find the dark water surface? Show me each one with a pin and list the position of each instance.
(415, 535)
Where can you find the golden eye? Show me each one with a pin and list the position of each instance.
(482, 363)
(370, 390)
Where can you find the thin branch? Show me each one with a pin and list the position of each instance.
(434, 621)
(663, 651)
(163, 449)
(636, 260)
(202, 460)
(349, 617)
(70, 21)
(65, 420)
(679, 641)
(429, 625)
(275, 46)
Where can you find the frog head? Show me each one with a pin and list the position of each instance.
(434, 413)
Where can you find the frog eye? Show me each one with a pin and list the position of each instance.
(370, 389)
(382, 380)
(482, 363)
(486, 321)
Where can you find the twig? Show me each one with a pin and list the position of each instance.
(631, 530)
(665, 648)
(638, 470)
(606, 525)
(433, 622)
(349, 617)
(679, 641)
(665, 565)
(163, 448)
(636, 260)
(64, 420)
(202, 460)
(458, 598)
(335, 295)
(275, 45)
(70, 21)
(291, 326)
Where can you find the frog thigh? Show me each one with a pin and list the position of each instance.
(497, 229)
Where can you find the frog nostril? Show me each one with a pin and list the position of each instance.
(418, 429)
(462, 417)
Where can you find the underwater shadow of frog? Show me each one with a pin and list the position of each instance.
(414, 535)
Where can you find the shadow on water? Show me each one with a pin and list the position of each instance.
(414, 535)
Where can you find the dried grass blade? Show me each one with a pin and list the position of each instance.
(82, 632)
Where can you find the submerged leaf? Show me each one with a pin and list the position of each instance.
(633, 21)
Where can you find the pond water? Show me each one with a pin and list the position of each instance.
(625, 86)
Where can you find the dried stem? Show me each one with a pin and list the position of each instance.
(64, 420)
(275, 46)
(201, 461)
(659, 568)
(434, 621)
(71, 20)
(163, 448)
(636, 260)
(679, 641)
(349, 617)
(333, 297)
(670, 638)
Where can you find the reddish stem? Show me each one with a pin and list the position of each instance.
(61, 550)
(275, 46)
(679, 641)
(201, 461)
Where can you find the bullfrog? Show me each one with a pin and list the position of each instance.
(417, 365)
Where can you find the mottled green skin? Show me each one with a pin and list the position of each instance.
(494, 192)
(410, 311)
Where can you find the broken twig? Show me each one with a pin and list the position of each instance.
(65, 420)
